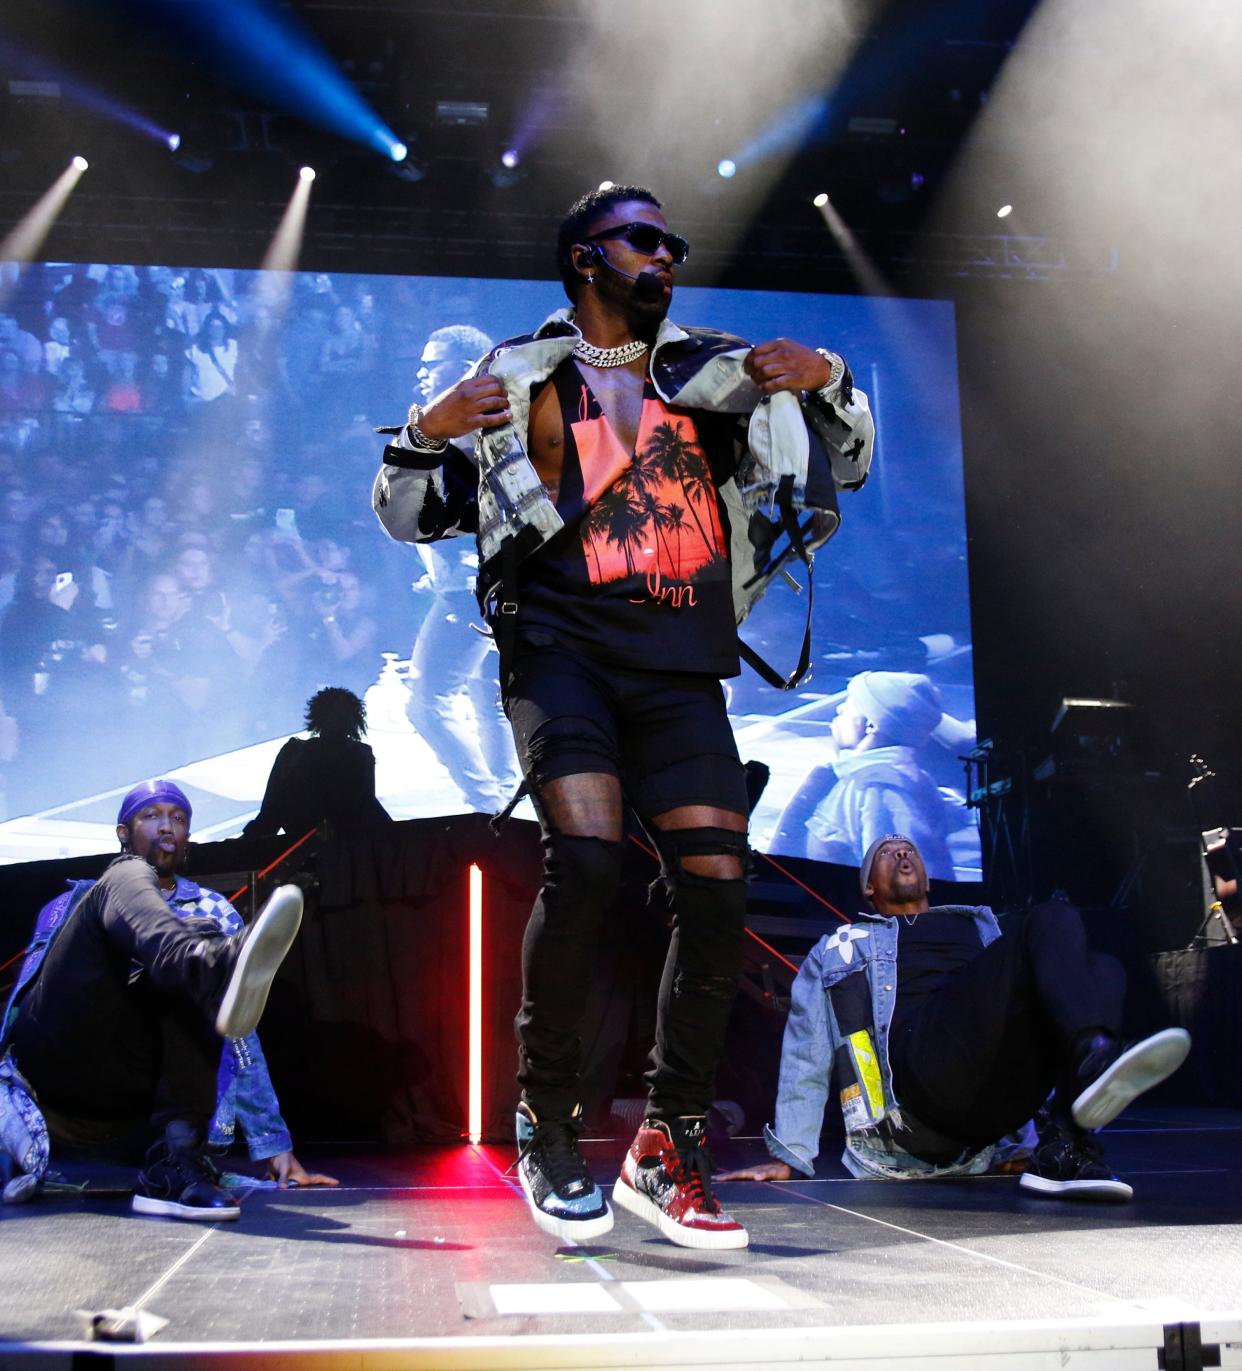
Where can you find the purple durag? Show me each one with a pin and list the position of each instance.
(152, 792)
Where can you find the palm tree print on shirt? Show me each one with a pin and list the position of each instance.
(653, 514)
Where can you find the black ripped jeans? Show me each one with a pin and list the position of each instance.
(666, 736)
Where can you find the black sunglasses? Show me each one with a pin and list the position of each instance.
(647, 238)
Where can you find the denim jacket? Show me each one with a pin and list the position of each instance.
(837, 1033)
(245, 1095)
(486, 484)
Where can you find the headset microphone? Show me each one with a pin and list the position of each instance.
(647, 288)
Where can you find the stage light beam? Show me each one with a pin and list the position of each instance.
(398, 152)
(80, 92)
(286, 245)
(26, 238)
(274, 56)
(864, 269)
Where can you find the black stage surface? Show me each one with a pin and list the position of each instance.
(428, 1259)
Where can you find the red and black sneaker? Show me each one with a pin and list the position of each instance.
(666, 1179)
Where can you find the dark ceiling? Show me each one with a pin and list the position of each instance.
(918, 76)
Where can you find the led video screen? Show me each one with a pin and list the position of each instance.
(187, 552)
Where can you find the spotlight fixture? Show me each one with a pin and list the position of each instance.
(174, 141)
(1004, 212)
(820, 200)
(506, 170)
(398, 152)
(726, 168)
(307, 173)
(410, 170)
(606, 185)
(79, 164)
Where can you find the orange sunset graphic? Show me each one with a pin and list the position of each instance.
(653, 515)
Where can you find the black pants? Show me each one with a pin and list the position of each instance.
(101, 1043)
(987, 1049)
(666, 736)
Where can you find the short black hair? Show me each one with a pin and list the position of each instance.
(466, 341)
(335, 712)
(582, 213)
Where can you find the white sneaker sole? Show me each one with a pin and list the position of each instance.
(267, 943)
(568, 1230)
(170, 1209)
(626, 1197)
(1139, 1068)
(1098, 1189)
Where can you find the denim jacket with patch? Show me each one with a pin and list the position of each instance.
(836, 1037)
(485, 483)
(245, 1095)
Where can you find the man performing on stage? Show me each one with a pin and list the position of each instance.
(611, 464)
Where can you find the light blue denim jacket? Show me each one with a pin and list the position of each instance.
(486, 484)
(815, 1042)
(245, 1095)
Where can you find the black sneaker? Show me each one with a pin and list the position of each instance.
(1112, 1076)
(1070, 1165)
(260, 950)
(182, 1183)
(564, 1200)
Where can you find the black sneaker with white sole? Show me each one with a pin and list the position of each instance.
(260, 951)
(182, 1183)
(1070, 1165)
(1113, 1077)
(563, 1197)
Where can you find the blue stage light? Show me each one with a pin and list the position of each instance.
(398, 152)
(790, 129)
(726, 168)
(174, 142)
(34, 66)
(510, 158)
(270, 53)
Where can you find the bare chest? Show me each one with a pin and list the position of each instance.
(619, 392)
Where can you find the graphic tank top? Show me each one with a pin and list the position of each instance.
(639, 576)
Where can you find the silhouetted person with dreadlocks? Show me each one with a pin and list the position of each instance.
(330, 775)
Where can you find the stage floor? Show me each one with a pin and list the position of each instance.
(429, 1259)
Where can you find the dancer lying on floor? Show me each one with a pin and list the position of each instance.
(941, 1036)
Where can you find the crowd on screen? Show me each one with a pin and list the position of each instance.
(186, 546)
(179, 565)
